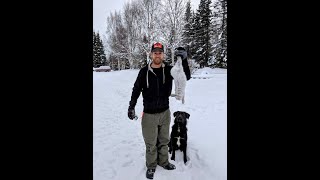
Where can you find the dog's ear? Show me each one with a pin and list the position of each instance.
(187, 115)
(175, 113)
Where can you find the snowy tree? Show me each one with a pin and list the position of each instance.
(132, 13)
(219, 26)
(130, 33)
(117, 41)
(102, 55)
(105, 45)
(203, 33)
(95, 57)
(149, 22)
(195, 26)
(99, 56)
(187, 29)
(171, 25)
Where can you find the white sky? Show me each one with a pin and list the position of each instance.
(102, 9)
(118, 145)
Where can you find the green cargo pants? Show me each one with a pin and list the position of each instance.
(155, 131)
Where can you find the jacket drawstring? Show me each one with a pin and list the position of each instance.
(163, 76)
(147, 79)
(149, 68)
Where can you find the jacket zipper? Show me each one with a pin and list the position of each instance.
(157, 91)
(157, 88)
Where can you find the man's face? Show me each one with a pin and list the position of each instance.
(157, 57)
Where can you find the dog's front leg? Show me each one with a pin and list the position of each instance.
(170, 147)
(173, 156)
(185, 154)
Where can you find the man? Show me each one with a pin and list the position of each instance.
(155, 82)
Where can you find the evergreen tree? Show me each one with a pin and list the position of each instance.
(101, 53)
(220, 31)
(192, 47)
(204, 32)
(195, 30)
(99, 56)
(95, 55)
(187, 29)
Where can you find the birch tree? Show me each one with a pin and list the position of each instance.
(172, 13)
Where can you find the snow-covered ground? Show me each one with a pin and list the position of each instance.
(118, 146)
(207, 72)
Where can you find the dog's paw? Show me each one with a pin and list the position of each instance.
(185, 162)
(172, 158)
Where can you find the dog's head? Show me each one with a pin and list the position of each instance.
(181, 117)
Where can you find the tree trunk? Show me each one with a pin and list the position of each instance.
(130, 61)
(172, 56)
(118, 64)
(148, 58)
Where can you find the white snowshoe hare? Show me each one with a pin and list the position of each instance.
(180, 79)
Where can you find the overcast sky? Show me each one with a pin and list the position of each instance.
(102, 9)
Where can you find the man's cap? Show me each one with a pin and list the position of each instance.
(157, 47)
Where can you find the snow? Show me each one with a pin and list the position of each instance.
(207, 72)
(104, 67)
(118, 146)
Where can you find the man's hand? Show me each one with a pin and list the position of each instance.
(180, 51)
(131, 113)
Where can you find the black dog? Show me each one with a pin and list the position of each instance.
(178, 137)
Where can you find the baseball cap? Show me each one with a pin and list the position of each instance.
(157, 47)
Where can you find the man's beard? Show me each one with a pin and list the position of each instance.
(157, 61)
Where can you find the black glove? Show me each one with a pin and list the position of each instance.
(131, 113)
(180, 51)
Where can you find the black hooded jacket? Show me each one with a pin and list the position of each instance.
(156, 89)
